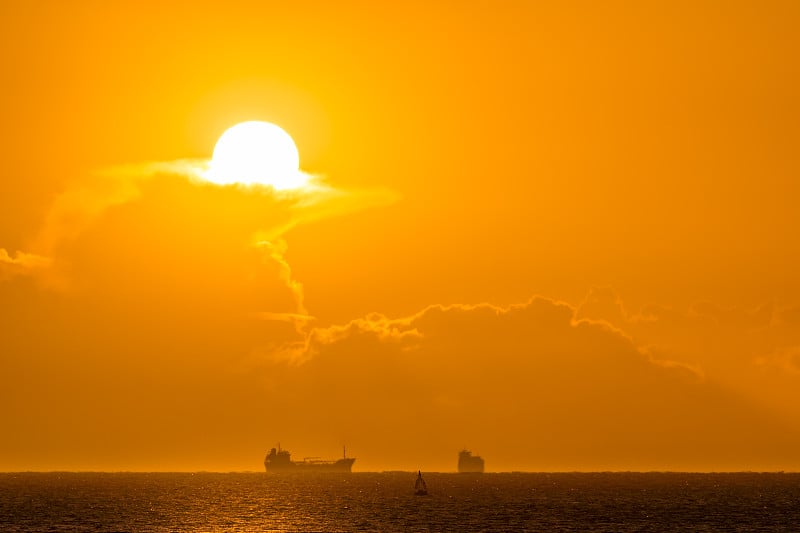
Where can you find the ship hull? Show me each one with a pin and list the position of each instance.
(305, 467)
(474, 468)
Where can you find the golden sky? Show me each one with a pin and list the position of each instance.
(561, 234)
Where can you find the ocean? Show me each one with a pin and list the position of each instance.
(385, 502)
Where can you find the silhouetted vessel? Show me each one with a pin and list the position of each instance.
(420, 487)
(469, 463)
(280, 461)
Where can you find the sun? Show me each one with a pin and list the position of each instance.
(256, 153)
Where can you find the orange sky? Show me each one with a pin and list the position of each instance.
(562, 234)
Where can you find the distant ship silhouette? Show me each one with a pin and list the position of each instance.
(469, 463)
(280, 461)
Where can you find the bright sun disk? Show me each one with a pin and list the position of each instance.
(256, 153)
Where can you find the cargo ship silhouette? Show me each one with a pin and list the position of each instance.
(469, 463)
(280, 461)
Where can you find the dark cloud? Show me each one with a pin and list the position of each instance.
(531, 386)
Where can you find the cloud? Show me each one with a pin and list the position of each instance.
(530, 385)
(184, 289)
(82, 203)
(703, 333)
(162, 283)
(22, 264)
(257, 214)
(786, 359)
(603, 303)
(275, 251)
(220, 355)
(750, 350)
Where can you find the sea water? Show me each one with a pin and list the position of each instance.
(386, 502)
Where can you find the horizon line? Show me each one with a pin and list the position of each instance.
(400, 472)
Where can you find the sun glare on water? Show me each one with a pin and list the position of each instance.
(256, 153)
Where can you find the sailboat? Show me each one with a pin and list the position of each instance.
(420, 488)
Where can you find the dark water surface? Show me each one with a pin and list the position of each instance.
(385, 502)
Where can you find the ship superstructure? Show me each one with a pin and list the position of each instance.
(469, 463)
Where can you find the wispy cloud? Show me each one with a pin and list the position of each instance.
(21, 264)
(275, 251)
